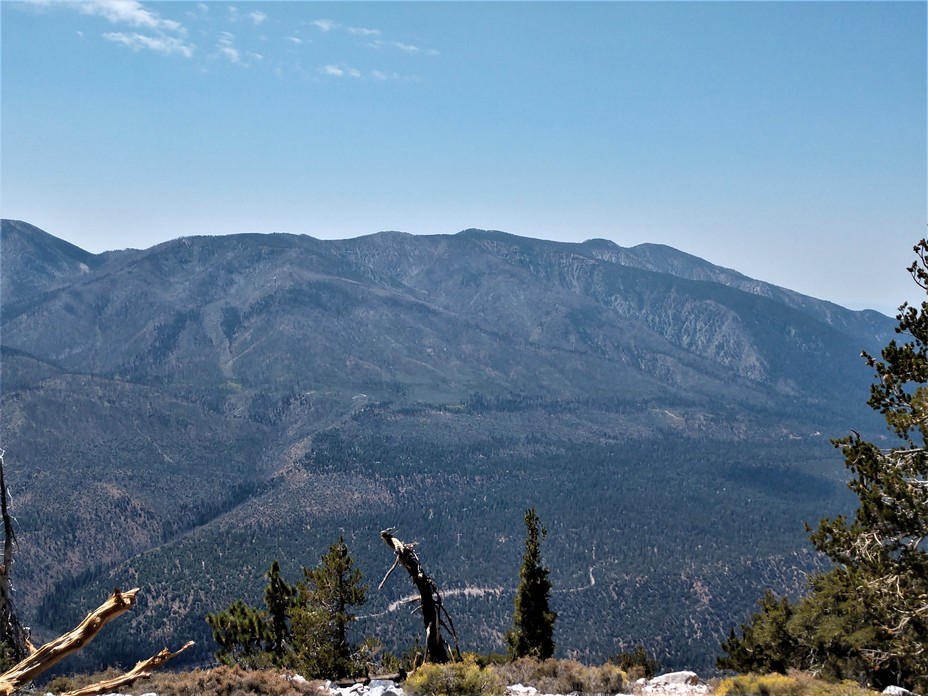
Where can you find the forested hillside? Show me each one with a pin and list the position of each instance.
(178, 417)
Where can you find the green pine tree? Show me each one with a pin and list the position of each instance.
(867, 618)
(242, 633)
(532, 633)
(279, 597)
(765, 644)
(255, 638)
(884, 546)
(323, 613)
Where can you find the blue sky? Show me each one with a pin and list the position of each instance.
(786, 140)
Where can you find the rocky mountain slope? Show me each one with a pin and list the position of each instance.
(177, 417)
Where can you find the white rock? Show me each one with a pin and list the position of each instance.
(675, 684)
(353, 690)
(383, 683)
(383, 687)
(897, 691)
(686, 678)
(376, 687)
(521, 690)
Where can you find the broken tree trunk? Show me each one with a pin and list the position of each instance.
(12, 633)
(436, 649)
(56, 650)
(32, 662)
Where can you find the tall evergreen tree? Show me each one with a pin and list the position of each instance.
(323, 613)
(279, 597)
(884, 545)
(867, 618)
(532, 633)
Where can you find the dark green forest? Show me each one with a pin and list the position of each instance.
(699, 523)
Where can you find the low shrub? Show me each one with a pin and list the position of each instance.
(793, 684)
(638, 664)
(762, 685)
(564, 676)
(465, 678)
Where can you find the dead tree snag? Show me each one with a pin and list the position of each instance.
(433, 613)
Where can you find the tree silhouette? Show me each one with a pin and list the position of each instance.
(532, 633)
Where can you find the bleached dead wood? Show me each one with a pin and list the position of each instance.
(56, 650)
(141, 670)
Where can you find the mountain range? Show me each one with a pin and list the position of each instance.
(178, 417)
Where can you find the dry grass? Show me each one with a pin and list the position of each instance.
(793, 684)
(220, 681)
(564, 676)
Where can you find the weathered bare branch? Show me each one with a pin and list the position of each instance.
(54, 651)
(141, 670)
(392, 568)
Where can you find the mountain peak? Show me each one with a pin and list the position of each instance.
(600, 243)
(34, 261)
(494, 235)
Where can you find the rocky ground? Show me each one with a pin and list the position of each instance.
(672, 684)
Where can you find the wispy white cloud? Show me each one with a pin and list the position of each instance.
(167, 45)
(363, 31)
(227, 49)
(231, 54)
(200, 11)
(154, 32)
(404, 47)
(340, 71)
(129, 12)
(146, 29)
(381, 76)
